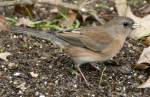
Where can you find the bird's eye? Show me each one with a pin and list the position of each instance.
(125, 24)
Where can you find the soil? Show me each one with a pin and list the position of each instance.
(36, 68)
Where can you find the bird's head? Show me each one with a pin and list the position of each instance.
(121, 25)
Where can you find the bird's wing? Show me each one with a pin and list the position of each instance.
(93, 39)
(71, 38)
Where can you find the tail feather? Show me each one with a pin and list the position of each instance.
(41, 34)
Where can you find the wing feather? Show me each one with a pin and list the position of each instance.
(90, 38)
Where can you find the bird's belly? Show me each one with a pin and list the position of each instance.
(86, 59)
(81, 55)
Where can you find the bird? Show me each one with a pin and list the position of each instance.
(89, 44)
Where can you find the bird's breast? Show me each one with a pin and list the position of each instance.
(113, 48)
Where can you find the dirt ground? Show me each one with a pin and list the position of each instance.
(36, 68)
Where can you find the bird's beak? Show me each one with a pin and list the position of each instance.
(136, 25)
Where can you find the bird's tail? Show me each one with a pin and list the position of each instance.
(41, 34)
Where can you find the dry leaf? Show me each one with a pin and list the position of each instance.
(124, 10)
(54, 10)
(71, 17)
(145, 56)
(4, 26)
(145, 84)
(4, 55)
(146, 9)
(24, 22)
(26, 10)
(144, 60)
(141, 66)
(147, 41)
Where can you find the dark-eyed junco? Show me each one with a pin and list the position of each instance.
(90, 44)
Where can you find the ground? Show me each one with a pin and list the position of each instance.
(36, 68)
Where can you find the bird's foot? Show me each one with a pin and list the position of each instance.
(95, 65)
(87, 83)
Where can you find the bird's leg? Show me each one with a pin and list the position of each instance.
(94, 64)
(78, 68)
